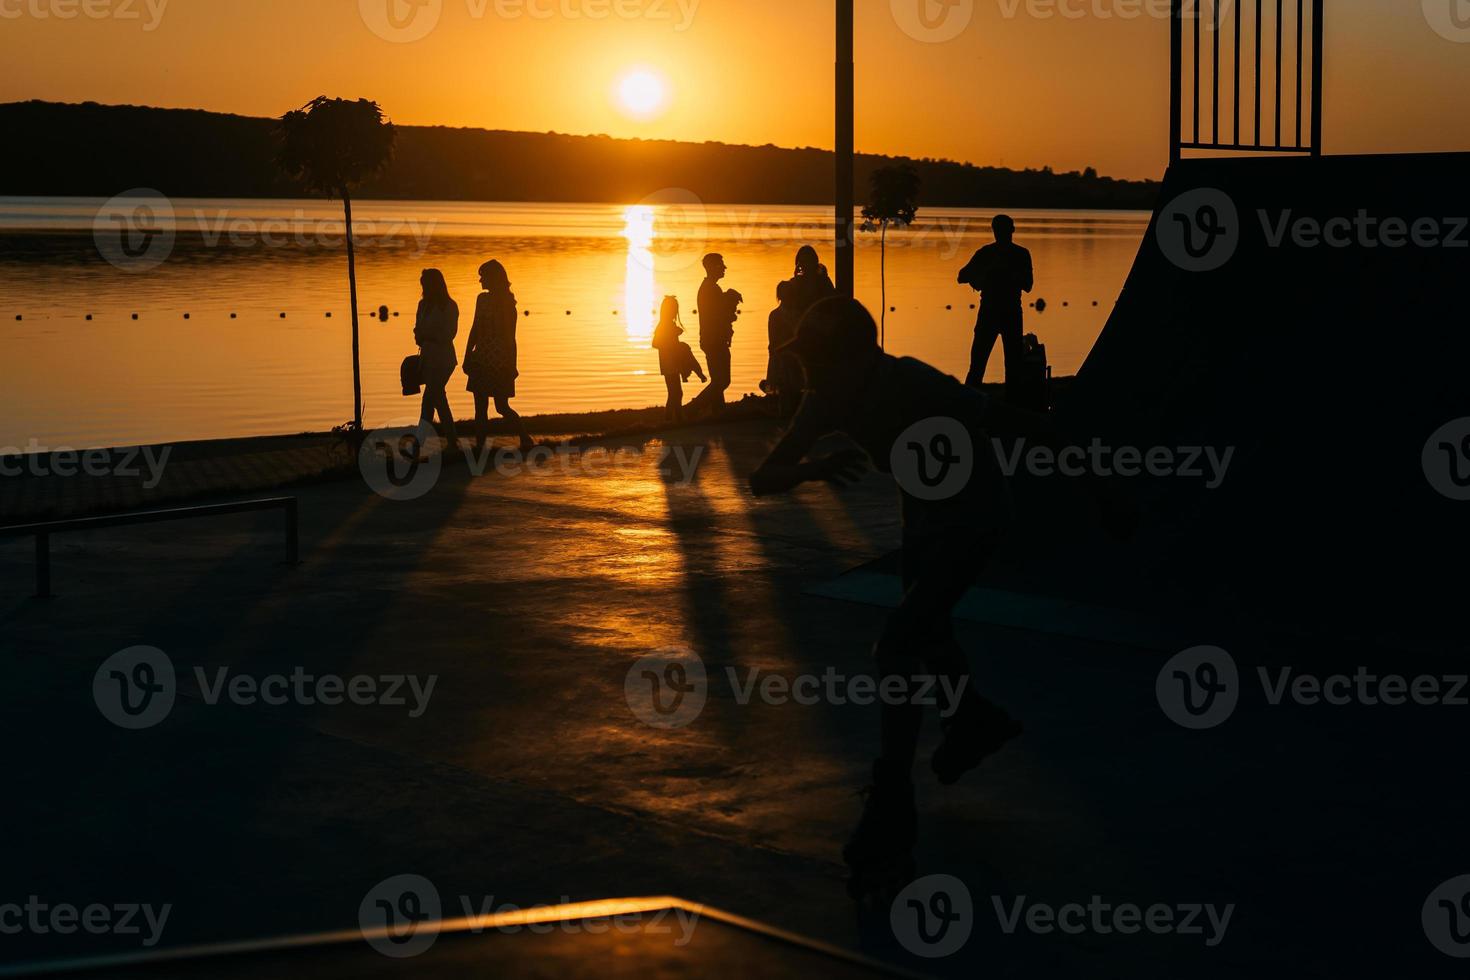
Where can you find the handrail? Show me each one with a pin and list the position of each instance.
(466, 927)
(43, 531)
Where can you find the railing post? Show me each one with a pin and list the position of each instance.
(1176, 80)
(1317, 77)
(293, 540)
(43, 566)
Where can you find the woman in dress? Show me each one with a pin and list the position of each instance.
(435, 328)
(490, 358)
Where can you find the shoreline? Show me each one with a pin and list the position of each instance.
(71, 483)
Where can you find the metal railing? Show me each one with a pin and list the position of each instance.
(43, 532)
(1255, 28)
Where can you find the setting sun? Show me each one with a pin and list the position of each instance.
(641, 94)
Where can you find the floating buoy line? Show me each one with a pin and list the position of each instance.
(384, 314)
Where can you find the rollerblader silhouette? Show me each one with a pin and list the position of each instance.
(880, 402)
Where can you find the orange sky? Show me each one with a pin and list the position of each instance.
(1013, 86)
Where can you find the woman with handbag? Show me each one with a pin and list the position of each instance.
(435, 328)
(490, 358)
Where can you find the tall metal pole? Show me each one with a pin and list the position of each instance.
(844, 175)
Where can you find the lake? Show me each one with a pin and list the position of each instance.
(186, 337)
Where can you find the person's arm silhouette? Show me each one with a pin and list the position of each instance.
(970, 274)
(787, 467)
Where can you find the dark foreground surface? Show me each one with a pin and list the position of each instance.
(528, 777)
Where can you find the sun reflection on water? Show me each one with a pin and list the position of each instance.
(639, 287)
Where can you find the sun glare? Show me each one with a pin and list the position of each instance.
(641, 94)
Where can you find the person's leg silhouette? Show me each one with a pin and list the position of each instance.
(985, 333)
(918, 646)
(719, 375)
(502, 405)
(482, 420)
(436, 401)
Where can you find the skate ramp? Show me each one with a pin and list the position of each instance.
(1325, 366)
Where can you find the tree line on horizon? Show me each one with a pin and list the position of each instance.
(91, 150)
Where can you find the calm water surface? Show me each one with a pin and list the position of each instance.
(590, 276)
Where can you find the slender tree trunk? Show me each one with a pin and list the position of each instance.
(883, 287)
(352, 290)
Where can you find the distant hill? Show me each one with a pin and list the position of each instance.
(92, 150)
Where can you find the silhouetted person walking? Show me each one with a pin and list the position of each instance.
(808, 284)
(490, 357)
(1001, 271)
(718, 309)
(676, 361)
(435, 327)
(956, 508)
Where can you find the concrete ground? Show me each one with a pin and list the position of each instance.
(530, 779)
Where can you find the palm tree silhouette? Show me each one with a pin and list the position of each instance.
(893, 194)
(332, 145)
